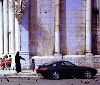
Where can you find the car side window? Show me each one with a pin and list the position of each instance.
(63, 64)
(54, 65)
(67, 64)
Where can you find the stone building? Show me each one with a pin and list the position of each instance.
(49, 30)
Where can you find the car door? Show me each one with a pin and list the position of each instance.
(70, 69)
(73, 71)
(65, 69)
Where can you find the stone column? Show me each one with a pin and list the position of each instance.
(57, 24)
(88, 26)
(17, 35)
(89, 55)
(1, 29)
(5, 17)
(58, 56)
(11, 28)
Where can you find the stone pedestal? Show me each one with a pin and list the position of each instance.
(89, 59)
(13, 61)
(89, 55)
(58, 57)
(25, 64)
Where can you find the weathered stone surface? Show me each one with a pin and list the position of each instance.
(39, 27)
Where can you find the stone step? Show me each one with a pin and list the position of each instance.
(12, 73)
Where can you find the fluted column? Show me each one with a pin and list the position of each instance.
(17, 35)
(57, 24)
(1, 28)
(89, 56)
(5, 13)
(88, 26)
(11, 28)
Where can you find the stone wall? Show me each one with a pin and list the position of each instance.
(72, 27)
(72, 23)
(80, 60)
(41, 36)
(72, 31)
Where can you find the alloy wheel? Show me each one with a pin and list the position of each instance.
(55, 75)
(88, 74)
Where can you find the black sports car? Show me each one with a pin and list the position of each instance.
(61, 69)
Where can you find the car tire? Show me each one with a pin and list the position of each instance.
(55, 75)
(88, 74)
(44, 76)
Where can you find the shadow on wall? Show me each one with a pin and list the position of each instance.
(24, 28)
(33, 33)
(70, 22)
(24, 21)
(41, 32)
(63, 29)
(95, 28)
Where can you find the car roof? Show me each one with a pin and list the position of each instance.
(55, 62)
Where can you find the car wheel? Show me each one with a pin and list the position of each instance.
(55, 75)
(88, 74)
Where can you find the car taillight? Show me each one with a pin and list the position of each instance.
(42, 69)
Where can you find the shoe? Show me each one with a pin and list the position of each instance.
(15, 73)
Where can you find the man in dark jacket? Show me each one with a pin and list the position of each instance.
(17, 61)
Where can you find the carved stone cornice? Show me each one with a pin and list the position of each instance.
(17, 6)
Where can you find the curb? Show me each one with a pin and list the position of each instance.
(24, 77)
(20, 76)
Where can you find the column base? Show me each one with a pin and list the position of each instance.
(1, 55)
(89, 55)
(13, 61)
(25, 64)
(58, 57)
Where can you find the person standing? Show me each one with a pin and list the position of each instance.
(17, 61)
(9, 61)
(6, 59)
(3, 62)
(0, 63)
(33, 64)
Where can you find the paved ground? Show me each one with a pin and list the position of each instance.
(24, 73)
(42, 81)
(28, 77)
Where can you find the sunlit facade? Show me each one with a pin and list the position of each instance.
(49, 30)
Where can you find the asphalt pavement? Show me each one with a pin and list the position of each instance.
(28, 77)
(43, 81)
